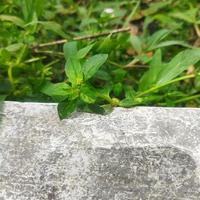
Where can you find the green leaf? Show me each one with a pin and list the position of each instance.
(73, 71)
(167, 20)
(104, 93)
(66, 108)
(32, 7)
(27, 9)
(117, 88)
(188, 16)
(129, 102)
(143, 58)
(39, 6)
(151, 75)
(96, 109)
(178, 64)
(160, 73)
(88, 94)
(106, 45)
(2, 97)
(156, 38)
(91, 66)
(108, 108)
(129, 99)
(129, 92)
(155, 7)
(70, 49)
(15, 20)
(197, 83)
(54, 27)
(136, 43)
(84, 51)
(14, 47)
(58, 91)
(170, 43)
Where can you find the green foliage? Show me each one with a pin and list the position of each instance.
(156, 63)
(91, 65)
(160, 73)
(78, 71)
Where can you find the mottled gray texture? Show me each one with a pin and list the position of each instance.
(131, 154)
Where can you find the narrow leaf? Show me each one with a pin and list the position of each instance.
(136, 43)
(107, 45)
(91, 66)
(2, 97)
(54, 27)
(178, 64)
(66, 108)
(15, 20)
(70, 49)
(151, 75)
(188, 16)
(88, 94)
(84, 51)
(156, 38)
(58, 91)
(73, 71)
(14, 47)
(170, 43)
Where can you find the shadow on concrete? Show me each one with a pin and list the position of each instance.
(145, 173)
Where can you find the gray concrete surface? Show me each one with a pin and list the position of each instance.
(143, 153)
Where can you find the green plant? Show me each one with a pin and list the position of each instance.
(162, 74)
(77, 91)
(152, 48)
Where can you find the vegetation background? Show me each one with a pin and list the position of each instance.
(127, 53)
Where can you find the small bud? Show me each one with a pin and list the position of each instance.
(115, 102)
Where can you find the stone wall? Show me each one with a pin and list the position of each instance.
(143, 153)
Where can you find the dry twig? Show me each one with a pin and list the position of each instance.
(87, 37)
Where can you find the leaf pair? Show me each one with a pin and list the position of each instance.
(160, 73)
(76, 72)
(154, 41)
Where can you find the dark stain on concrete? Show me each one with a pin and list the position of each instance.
(145, 173)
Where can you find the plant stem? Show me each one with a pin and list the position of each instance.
(188, 98)
(154, 88)
(103, 34)
(52, 63)
(132, 63)
(115, 64)
(128, 19)
(86, 37)
(52, 53)
(10, 76)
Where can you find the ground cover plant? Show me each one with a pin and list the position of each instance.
(95, 55)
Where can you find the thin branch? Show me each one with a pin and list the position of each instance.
(103, 34)
(86, 37)
(50, 43)
(52, 53)
(132, 63)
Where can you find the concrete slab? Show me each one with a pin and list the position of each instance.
(143, 153)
